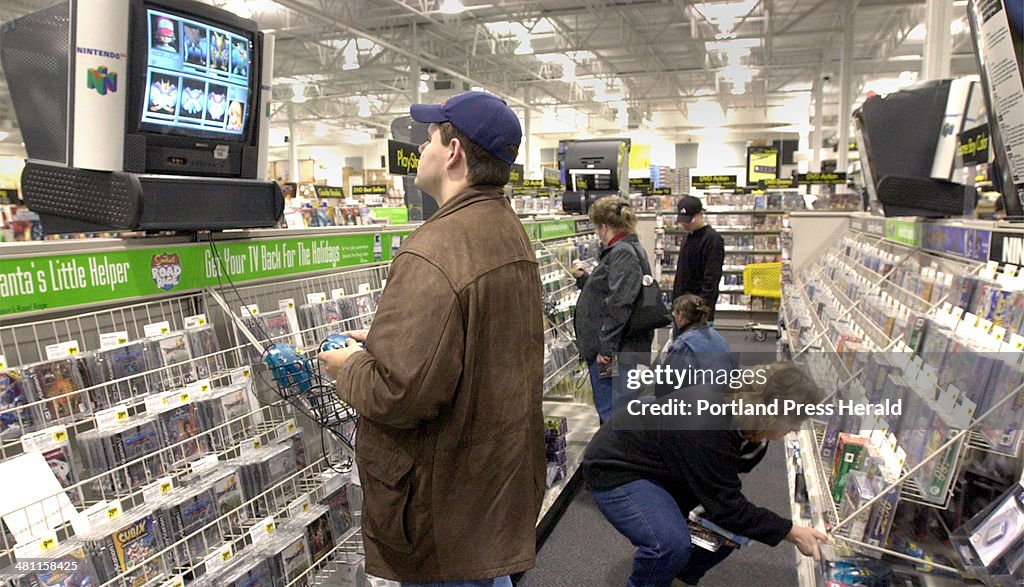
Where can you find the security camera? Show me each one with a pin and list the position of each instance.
(827, 77)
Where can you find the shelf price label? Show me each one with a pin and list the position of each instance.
(249, 310)
(219, 559)
(61, 350)
(3, 362)
(41, 545)
(337, 293)
(317, 298)
(263, 530)
(175, 581)
(195, 321)
(157, 328)
(113, 339)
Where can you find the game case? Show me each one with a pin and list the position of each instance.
(125, 362)
(251, 571)
(288, 557)
(366, 308)
(340, 511)
(298, 444)
(61, 380)
(206, 349)
(179, 429)
(220, 406)
(170, 353)
(275, 326)
(226, 485)
(317, 525)
(72, 567)
(15, 391)
(262, 469)
(186, 512)
(125, 546)
(129, 444)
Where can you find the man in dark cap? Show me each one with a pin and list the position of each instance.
(699, 270)
(448, 388)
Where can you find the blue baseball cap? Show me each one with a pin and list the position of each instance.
(485, 118)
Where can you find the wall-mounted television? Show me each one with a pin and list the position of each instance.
(194, 88)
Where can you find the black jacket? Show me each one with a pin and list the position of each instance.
(608, 298)
(698, 467)
(699, 270)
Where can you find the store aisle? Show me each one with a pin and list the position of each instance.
(584, 549)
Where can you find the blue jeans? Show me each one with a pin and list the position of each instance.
(645, 513)
(602, 391)
(505, 581)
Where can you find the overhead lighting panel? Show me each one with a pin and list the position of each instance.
(452, 7)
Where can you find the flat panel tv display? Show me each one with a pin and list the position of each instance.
(198, 77)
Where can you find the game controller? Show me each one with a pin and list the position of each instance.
(300, 382)
(335, 342)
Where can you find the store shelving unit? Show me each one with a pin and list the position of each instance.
(866, 300)
(340, 263)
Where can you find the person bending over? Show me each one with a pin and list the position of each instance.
(647, 472)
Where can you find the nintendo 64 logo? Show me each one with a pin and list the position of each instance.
(166, 270)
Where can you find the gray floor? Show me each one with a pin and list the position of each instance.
(585, 550)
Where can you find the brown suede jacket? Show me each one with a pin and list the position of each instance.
(450, 446)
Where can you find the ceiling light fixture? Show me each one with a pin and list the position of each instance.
(3, 135)
(524, 47)
(351, 54)
(569, 72)
(364, 106)
(452, 7)
(299, 93)
(423, 87)
(320, 129)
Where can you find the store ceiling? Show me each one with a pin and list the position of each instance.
(596, 66)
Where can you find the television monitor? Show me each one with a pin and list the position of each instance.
(997, 30)
(193, 91)
(900, 136)
(131, 122)
(594, 168)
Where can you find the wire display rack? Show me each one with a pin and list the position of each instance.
(809, 336)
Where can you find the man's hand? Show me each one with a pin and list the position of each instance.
(578, 269)
(603, 359)
(806, 540)
(358, 335)
(332, 361)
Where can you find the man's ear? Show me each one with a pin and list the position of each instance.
(457, 153)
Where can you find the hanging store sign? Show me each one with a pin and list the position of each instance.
(775, 183)
(659, 192)
(515, 178)
(9, 196)
(397, 215)
(640, 183)
(974, 145)
(552, 178)
(823, 178)
(369, 190)
(328, 191)
(1007, 248)
(30, 284)
(403, 158)
(762, 164)
(533, 183)
(706, 181)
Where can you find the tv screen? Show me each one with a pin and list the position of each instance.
(198, 77)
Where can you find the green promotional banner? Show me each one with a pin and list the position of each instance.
(31, 284)
(905, 232)
(398, 215)
(557, 228)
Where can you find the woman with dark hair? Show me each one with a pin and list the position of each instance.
(647, 471)
(608, 298)
(696, 345)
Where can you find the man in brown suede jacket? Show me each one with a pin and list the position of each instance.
(451, 445)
